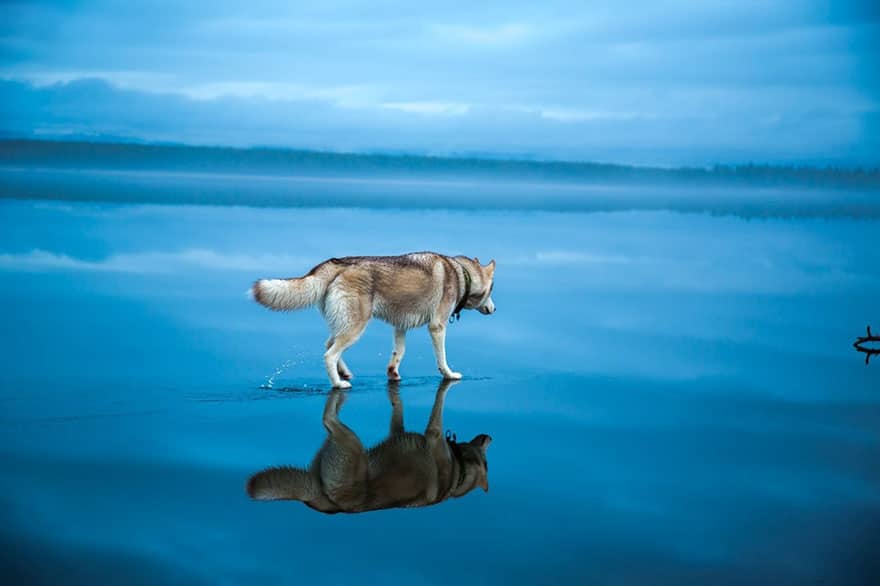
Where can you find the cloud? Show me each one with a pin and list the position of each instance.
(345, 96)
(364, 121)
(611, 81)
(123, 79)
(570, 115)
(38, 260)
(486, 36)
(429, 108)
(563, 114)
(155, 83)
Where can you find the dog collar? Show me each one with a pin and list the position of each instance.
(455, 450)
(456, 313)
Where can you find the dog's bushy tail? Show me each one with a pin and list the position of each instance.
(283, 483)
(288, 294)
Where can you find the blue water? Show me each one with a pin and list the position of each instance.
(673, 398)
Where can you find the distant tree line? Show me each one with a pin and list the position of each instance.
(277, 161)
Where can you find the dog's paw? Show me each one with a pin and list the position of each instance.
(452, 375)
(393, 374)
(343, 384)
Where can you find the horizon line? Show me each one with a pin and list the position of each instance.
(484, 157)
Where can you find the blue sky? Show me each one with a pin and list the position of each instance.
(672, 83)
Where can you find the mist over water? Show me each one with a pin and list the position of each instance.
(137, 173)
(672, 396)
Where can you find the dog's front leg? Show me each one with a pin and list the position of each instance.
(397, 354)
(434, 430)
(396, 409)
(438, 337)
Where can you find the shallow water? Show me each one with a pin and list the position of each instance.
(673, 398)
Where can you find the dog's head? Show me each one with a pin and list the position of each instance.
(475, 467)
(482, 282)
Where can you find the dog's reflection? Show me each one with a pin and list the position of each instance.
(405, 470)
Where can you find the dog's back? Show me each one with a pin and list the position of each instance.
(400, 290)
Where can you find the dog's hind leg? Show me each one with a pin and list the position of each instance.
(342, 463)
(347, 320)
(341, 367)
(343, 370)
(341, 342)
(397, 354)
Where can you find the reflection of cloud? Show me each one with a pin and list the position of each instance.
(149, 262)
(716, 271)
(554, 257)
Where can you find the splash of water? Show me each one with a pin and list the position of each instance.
(270, 380)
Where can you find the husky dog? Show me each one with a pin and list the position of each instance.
(406, 291)
(406, 470)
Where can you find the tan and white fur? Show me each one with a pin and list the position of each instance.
(405, 470)
(407, 291)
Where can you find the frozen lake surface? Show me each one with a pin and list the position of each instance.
(673, 397)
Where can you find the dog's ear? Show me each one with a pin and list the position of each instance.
(490, 268)
(481, 441)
